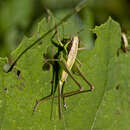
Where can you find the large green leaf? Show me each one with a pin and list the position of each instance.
(101, 66)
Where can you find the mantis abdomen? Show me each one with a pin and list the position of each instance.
(71, 58)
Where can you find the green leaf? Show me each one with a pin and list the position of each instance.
(101, 66)
(113, 112)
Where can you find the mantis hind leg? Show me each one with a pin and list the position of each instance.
(77, 91)
(41, 100)
(83, 77)
(72, 93)
(47, 97)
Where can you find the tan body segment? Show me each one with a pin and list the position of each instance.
(71, 57)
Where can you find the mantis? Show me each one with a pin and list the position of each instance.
(62, 62)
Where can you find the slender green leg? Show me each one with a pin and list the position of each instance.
(51, 96)
(77, 91)
(61, 93)
(69, 72)
(52, 92)
(41, 100)
(63, 96)
(60, 89)
(68, 94)
(80, 73)
(47, 97)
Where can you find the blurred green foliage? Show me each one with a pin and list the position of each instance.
(18, 17)
(105, 108)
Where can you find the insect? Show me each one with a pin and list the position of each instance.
(62, 62)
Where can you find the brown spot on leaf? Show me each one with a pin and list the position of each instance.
(118, 87)
(18, 73)
(5, 89)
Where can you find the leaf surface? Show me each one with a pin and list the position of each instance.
(104, 108)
